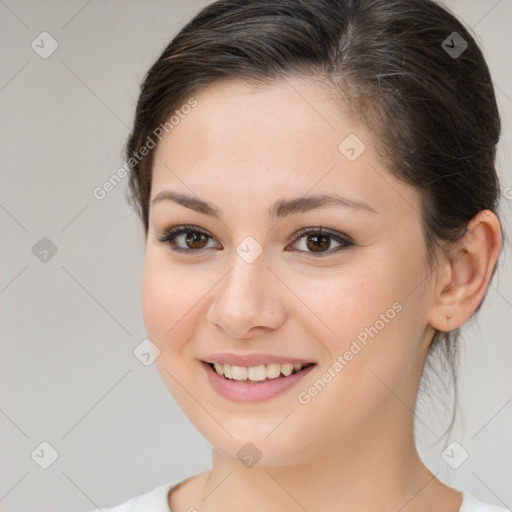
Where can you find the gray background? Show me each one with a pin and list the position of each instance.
(69, 325)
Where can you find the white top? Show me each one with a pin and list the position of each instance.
(156, 501)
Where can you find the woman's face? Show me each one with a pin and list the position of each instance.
(351, 304)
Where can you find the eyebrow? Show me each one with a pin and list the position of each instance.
(280, 209)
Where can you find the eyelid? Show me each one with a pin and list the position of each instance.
(343, 240)
(179, 229)
(324, 231)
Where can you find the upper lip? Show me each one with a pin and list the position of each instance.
(253, 359)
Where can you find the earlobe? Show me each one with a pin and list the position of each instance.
(466, 272)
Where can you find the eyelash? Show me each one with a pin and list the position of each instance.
(170, 234)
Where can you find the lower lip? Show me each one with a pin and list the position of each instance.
(245, 391)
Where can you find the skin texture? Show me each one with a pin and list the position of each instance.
(242, 149)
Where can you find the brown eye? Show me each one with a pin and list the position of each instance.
(196, 240)
(318, 241)
(187, 239)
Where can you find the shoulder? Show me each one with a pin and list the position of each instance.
(152, 501)
(471, 504)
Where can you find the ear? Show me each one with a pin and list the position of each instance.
(464, 274)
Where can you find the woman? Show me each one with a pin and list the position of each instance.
(317, 185)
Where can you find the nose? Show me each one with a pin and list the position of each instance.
(248, 300)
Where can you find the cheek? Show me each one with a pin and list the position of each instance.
(384, 350)
(351, 301)
(169, 320)
(173, 298)
(158, 298)
(378, 314)
(166, 302)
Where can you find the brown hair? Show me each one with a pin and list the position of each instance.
(433, 113)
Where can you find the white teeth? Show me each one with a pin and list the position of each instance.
(256, 373)
(273, 371)
(287, 369)
(239, 373)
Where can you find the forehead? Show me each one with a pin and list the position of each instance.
(285, 139)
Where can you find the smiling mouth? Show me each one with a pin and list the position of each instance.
(257, 374)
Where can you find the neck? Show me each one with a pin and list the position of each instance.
(356, 474)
